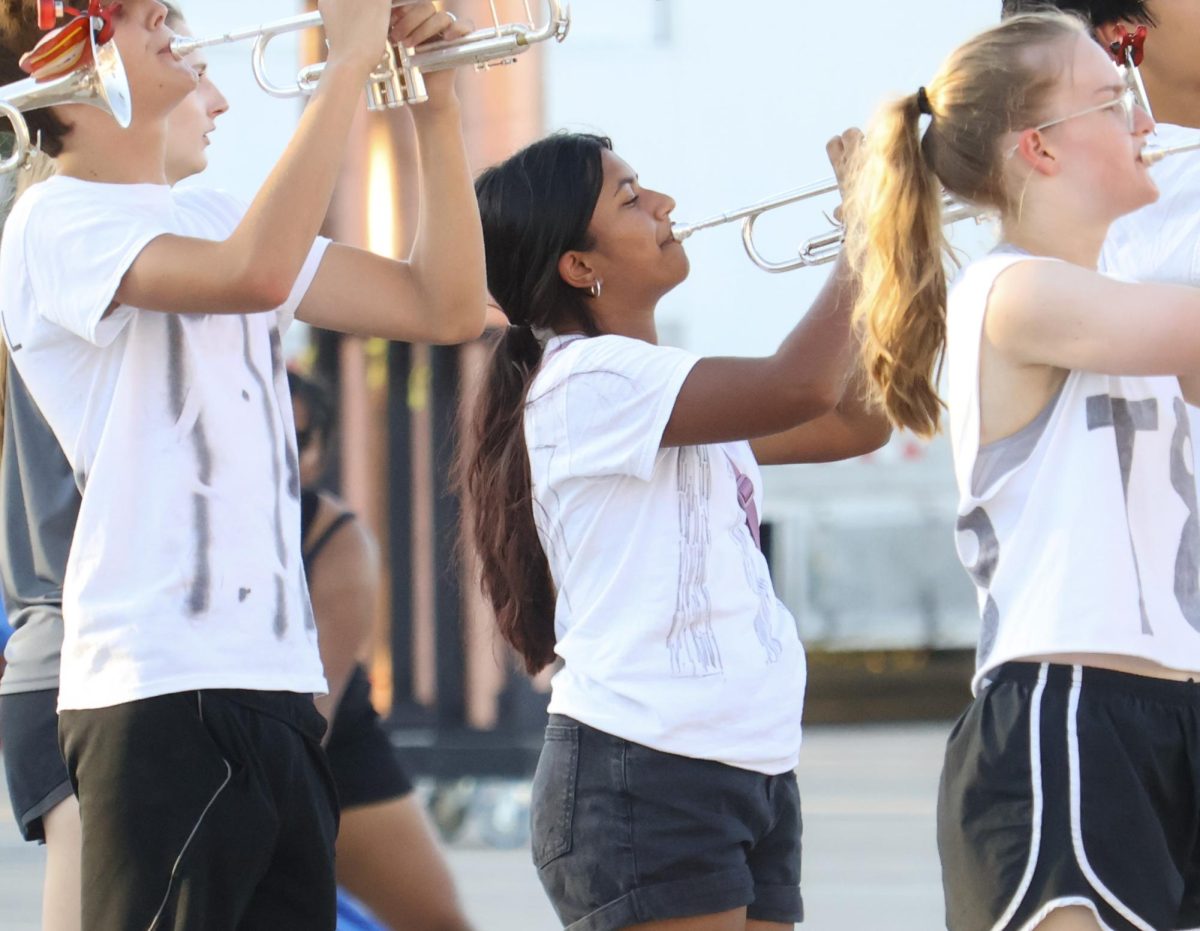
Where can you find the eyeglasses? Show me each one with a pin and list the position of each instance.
(1127, 102)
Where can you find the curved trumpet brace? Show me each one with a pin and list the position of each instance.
(21, 144)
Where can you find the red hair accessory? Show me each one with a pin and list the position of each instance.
(69, 47)
(1131, 47)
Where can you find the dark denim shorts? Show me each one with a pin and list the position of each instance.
(624, 834)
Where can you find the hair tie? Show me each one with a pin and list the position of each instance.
(923, 106)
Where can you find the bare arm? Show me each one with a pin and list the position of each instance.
(343, 585)
(1061, 315)
(255, 268)
(854, 428)
(726, 399)
(439, 295)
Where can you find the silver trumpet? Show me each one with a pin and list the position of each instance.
(398, 79)
(817, 250)
(825, 247)
(102, 84)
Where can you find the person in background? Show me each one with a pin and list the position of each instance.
(387, 855)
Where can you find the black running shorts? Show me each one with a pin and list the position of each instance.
(204, 810)
(1068, 785)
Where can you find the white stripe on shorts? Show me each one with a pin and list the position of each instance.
(1035, 772)
(1076, 820)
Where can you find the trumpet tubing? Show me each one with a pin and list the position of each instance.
(398, 80)
(816, 250)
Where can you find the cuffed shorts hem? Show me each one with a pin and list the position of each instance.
(782, 904)
(682, 898)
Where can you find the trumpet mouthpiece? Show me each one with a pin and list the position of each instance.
(183, 46)
(1152, 155)
(681, 231)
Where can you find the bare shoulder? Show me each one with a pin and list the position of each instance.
(351, 543)
(1039, 300)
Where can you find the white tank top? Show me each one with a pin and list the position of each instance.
(1081, 532)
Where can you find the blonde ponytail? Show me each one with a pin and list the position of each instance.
(995, 83)
(897, 245)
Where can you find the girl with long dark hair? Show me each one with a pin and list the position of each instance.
(616, 499)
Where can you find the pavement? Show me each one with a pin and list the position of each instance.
(870, 856)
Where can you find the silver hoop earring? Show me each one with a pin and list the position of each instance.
(594, 290)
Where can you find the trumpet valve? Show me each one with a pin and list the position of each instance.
(397, 82)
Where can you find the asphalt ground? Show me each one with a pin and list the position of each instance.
(870, 859)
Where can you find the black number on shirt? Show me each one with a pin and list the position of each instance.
(981, 572)
(1126, 418)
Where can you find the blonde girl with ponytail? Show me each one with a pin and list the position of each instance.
(1067, 797)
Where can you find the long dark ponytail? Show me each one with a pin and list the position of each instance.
(535, 206)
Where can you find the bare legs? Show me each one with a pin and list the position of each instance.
(61, 910)
(1070, 919)
(733, 920)
(388, 858)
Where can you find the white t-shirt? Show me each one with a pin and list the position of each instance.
(666, 620)
(1081, 532)
(1161, 242)
(185, 569)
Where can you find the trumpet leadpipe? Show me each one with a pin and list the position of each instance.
(681, 231)
(1152, 155)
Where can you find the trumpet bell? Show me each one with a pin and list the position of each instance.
(101, 84)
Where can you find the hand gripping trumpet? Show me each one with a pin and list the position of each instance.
(398, 80)
(74, 64)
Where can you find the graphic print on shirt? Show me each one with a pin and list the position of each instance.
(269, 405)
(541, 460)
(982, 570)
(200, 594)
(762, 588)
(1183, 480)
(691, 642)
(1126, 418)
